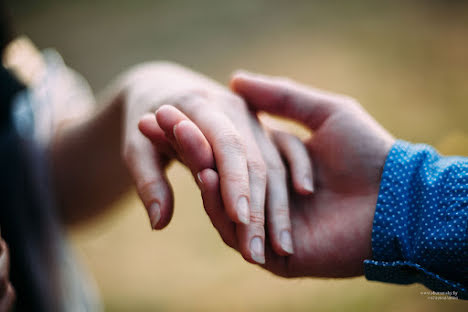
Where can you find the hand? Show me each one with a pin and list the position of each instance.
(246, 160)
(7, 293)
(331, 229)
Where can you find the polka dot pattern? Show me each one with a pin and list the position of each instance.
(420, 229)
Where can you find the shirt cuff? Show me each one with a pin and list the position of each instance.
(391, 243)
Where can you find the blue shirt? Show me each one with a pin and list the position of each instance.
(420, 228)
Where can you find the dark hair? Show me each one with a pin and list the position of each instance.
(6, 32)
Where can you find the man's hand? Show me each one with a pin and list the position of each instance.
(331, 229)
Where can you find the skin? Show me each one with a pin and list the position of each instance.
(194, 150)
(331, 229)
(98, 157)
(7, 292)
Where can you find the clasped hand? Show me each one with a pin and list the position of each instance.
(298, 208)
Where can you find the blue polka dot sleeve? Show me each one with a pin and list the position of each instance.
(420, 229)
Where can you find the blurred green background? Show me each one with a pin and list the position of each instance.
(406, 61)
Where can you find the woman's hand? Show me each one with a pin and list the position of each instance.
(89, 173)
(248, 164)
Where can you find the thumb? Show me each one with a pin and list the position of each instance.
(146, 166)
(286, 98)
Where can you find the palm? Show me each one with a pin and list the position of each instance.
(332, 228)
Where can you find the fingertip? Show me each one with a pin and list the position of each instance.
(281, 242)
(154, 213)
(243, 210)
(298, 160)
(208, 180)
(304, 185)
(186, 132)
(167, 116)
(286, 242)
(257, 250)
(237, 78)
(167, 206)
(308, 184)
(159, 203)
(148, 117)
(302, 172)
(160, 217)
(252, 249)
(147, 124)
(163, 109)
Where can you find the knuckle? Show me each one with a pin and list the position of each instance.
(232, 104)
(234, 100)
(257, 217)
(280, 212)
(237, 178)
(190, 99)
(257, 168)
(195, 94)
(230, 141)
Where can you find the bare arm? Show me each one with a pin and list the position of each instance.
(88, 171)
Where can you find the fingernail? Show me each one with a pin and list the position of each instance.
(243, 210)
(308, 185)
(286, 241)
(257, 250)
(200, 181)
(174, 133)
(154, 214)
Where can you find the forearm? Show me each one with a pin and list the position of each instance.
(87, 168)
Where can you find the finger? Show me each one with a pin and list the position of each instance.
(229, 153)
(209, 184)
(147, 169)
(277, 202)
(149, 127)
(192, 144)
(298, 159)
(251, 237)
(286, 98)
